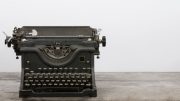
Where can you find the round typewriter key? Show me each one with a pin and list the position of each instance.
(65, 70)
(68, 80)
(57, 80)
(60, 84)
(88, 84)
(67, 76)
(33, 84)
(56, 77)
(29, 77)
(47, 80)
(27, 84)
(70, 69)
(53, 74)
(79, 81)
(84, 81)
(78, 76)
(44, 84)
(39, 84)
(45, 70)
(73, 80)
(63, 80)
(55, 70)
(42, 81)
(30, 80)
(72, 84)
(31, 71)
(82, 84)
(27, 74)
(52, 80)
(72, 76)
(35, 76)
(28, 62)
(55, 84)
(50, 84)
(62, 76)
(50, 69)
(66, 84)
(76, 70)
(88, 76)
(46, 76)
(40, 76)
(60, 69)
(82, 77)
(51, 77)
(36, 80)
(40, 68)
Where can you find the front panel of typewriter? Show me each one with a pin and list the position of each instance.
(57, 61)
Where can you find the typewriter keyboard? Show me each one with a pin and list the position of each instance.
(57, 77)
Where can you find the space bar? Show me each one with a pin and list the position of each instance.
(57, 89)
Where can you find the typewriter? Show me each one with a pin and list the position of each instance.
(56, 60)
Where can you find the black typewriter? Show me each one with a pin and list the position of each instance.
(56, 60)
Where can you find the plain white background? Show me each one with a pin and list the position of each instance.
(142, 35)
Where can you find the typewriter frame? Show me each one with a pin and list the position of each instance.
(31, 54)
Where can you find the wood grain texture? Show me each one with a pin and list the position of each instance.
(110, 86)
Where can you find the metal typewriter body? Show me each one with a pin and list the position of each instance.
(56, 60)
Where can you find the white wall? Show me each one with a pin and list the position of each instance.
(142, 35)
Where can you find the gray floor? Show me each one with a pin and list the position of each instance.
(111, 87)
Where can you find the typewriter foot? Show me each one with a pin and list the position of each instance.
(93, 94)
(24, 94)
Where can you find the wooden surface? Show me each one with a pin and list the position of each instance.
(110, 86)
